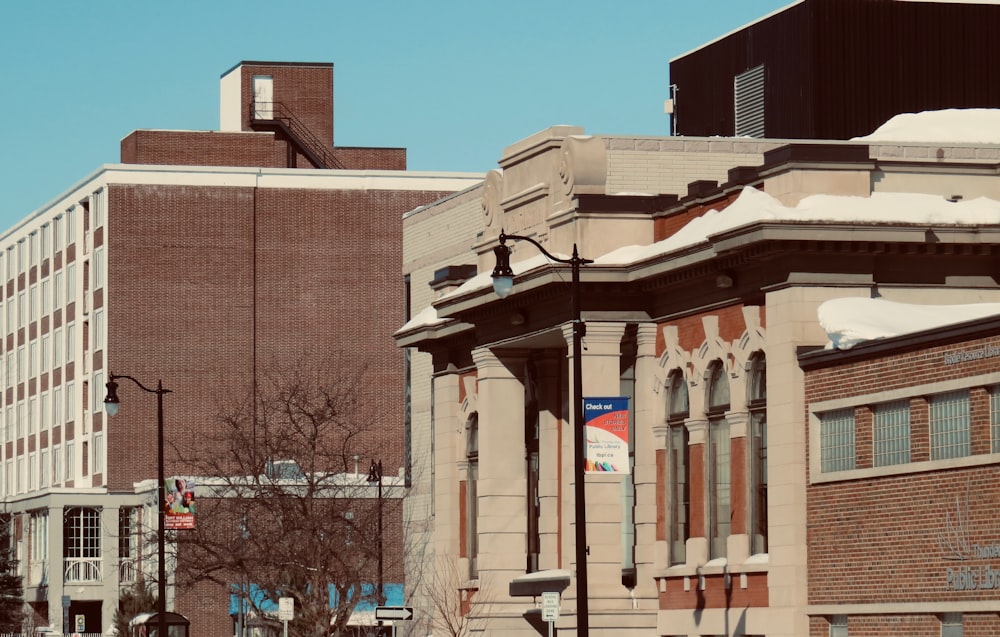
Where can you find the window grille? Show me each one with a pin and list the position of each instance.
(891, 433)
(949, 415)
(836, 440)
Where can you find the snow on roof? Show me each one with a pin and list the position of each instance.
(849, 321)
(950, 126)
(752, 206)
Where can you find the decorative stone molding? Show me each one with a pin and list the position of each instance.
(583, 165)
(492, 194)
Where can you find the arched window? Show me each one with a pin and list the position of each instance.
(718, 456)
(678, 467)
(757, 404)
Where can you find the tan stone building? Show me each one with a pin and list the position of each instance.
(697, 317)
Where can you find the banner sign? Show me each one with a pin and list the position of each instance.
(179, 503)
(606, 428)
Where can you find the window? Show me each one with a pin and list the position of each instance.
(46, 297)
(57, 475)
(838, 626)
(97, 330)
(678, 467)
(32, 471)
(949, 414)
(57, 290)
(70, 460)
(995, 418)
(39, 523)
(836, 440)
(44, 469)
(82, 544)
(951, 625)
(531, 436)
(891, 433)
(98, 268)
(128, 543)
(757, 450)
(98, 451)
(718, 460)
(471, 503)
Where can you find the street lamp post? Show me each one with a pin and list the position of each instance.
(503, 281)
(375, 476)
(111, 404)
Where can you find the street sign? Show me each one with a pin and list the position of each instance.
(286, 609)
(550, 606)
(386, 613)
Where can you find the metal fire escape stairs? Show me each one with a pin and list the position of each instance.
(275, 116)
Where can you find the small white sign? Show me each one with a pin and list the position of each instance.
(286, 609)
(550, 606)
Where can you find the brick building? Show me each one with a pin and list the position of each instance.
(903, 435)
(699, 301)
(203, 259)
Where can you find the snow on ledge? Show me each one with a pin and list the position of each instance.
(949, 126)
(849, 321)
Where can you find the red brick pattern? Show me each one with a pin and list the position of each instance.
(927, 536)
(716, 594)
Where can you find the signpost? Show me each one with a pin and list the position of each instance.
(392, 614)
(550, 608)
(286, 611)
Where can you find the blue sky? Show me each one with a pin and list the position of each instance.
(453, 82)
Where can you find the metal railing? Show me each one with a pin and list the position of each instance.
(276, 112)
(82, 569)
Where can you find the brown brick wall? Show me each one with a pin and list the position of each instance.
(904, 538)
(205, 148)
(371, 158)
(716, 594)
(304, 89)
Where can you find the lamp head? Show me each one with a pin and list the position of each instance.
(503, 276)
(111, 402)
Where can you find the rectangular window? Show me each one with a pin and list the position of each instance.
(758, 482)
(97, 330)
(836, 440)
(32, 471)
(33, 414)
(71, 342)
(45, 355)
(838, 626)
(951, 625)
(70, 226)
(57, 474)
(39, 536)
(98, 452)
(680, 496)
(57, 290)
(891, 433)
(949, 415)
(44, 469)
(57, 348)
(22, 309)
(33, 303)
(719, 486)
(70, 460)
(9, 424)
(44, 416)
(70, 414)
(57, 406)
(44, 241)
(21, 416)
(57, 234)
(19, 479)
(98, 268)
(46, 297)
(995, 418)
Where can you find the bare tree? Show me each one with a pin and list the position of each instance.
(287, 513)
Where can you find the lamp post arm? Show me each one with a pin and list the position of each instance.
(112, 377)
(576, 260)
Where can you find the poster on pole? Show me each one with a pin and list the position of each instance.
(606, 428)
(179, 503)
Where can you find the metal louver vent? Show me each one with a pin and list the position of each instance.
(749, 102)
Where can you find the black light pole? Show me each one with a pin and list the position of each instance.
(111, 404)
(375, 476)
(503, 281)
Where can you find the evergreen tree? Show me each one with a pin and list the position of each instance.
(11, 585)
(135, 600)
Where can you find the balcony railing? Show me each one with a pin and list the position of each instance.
(128, 570)
(82, 569)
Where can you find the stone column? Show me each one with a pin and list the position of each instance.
(650, 439)
(601, 377)
(502, 485)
